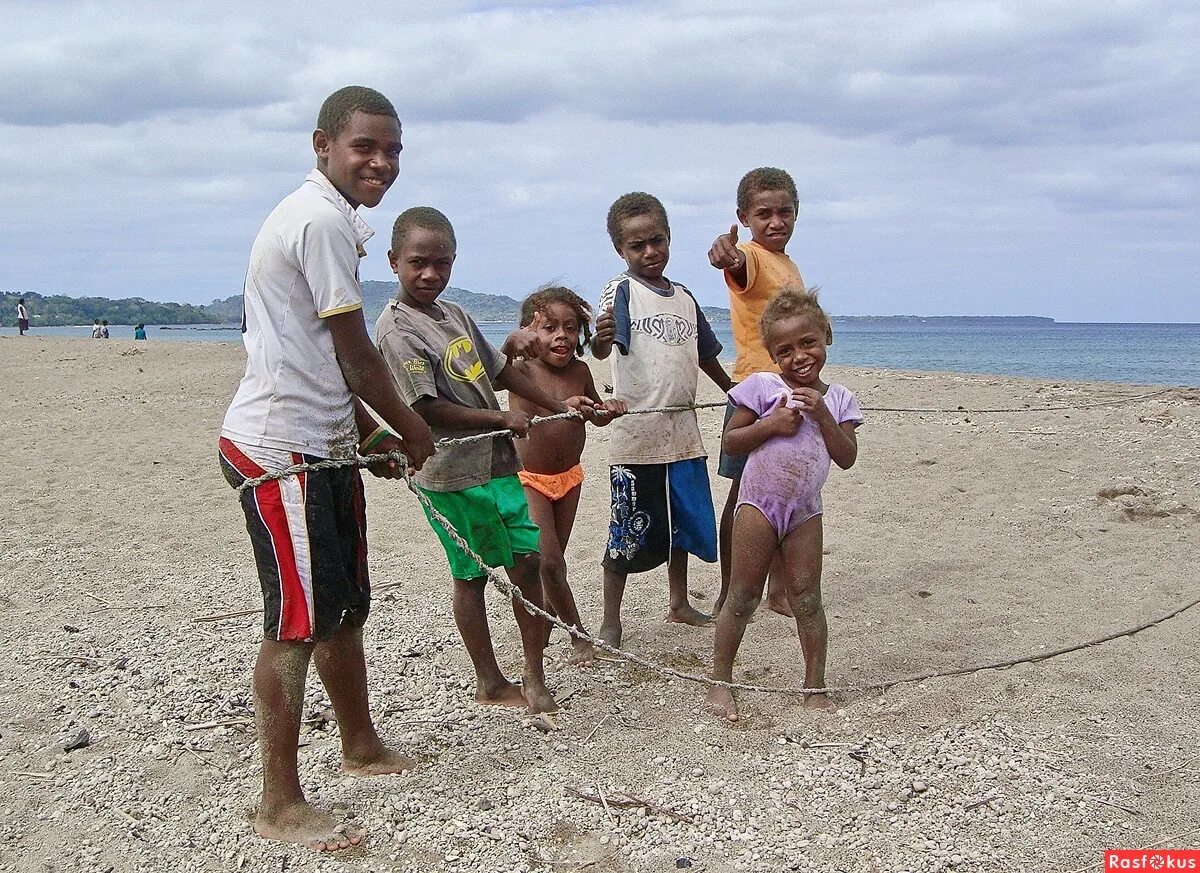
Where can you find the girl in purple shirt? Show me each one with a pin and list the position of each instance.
(793, 426)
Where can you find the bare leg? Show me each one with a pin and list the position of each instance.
(526, 576)
(802, 554)
(778, 584)
(470, 614)
(680, 609)
(284, 814)
(343, 670)
(751, 562)
(556, 520)
(614, 591)
(725, 541)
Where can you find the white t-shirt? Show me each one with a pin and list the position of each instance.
(661, 337)
(303, 269)
(22, 312)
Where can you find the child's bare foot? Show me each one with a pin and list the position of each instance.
(688, 614)
(508, 694)
(779, 603)
(382, 763)
(721, 703)
(307, 826)
(584, 653)
(818, 702)
(611, 634)
(537, 697)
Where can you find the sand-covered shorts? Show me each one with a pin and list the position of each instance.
(309, 534)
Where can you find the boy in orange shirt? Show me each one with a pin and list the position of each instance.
(755, 272)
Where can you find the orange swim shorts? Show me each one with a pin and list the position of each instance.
(554, 486)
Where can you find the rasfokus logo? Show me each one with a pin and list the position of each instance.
(1152, 859)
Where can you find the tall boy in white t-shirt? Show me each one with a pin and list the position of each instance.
(310, 366)
(661, 503)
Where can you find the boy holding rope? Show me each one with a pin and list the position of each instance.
(447, 371)
(310, 366)
(661, 501)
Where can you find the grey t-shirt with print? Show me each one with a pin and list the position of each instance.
(447, 357)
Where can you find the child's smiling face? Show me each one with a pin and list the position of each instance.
(364, 160)
(559, 332)
(771, 217)
(646, 246)
(422, 264)
(797, 346)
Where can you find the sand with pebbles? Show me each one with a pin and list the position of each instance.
(960, 537)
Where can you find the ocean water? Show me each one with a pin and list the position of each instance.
(1143, 354)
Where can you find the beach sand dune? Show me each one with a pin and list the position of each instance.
(960, 537)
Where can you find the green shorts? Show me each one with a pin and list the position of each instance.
(494, 520)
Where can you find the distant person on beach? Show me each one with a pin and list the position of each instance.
(22, 317)
(791, 425)
(553, 474)
(139, 332)
(96, 329)
(661, 500)
(310, 368)
(448, 373)
(755, 271)
(104, 329)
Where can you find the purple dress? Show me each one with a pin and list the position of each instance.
(784, 476)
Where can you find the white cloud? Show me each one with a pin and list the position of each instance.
(965, 156)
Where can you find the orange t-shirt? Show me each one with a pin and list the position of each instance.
(766, 273)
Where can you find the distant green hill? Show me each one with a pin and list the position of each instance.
(481, 307)
(58, 309)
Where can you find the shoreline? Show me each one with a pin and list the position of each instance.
(727, 360)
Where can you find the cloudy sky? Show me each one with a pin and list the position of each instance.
(952, 157)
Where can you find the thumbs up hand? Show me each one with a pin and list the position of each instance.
(724, 254)
(525, 342)
(606, 326)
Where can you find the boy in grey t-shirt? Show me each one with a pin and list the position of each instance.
(447, 372)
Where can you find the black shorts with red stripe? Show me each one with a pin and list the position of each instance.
(309, 534)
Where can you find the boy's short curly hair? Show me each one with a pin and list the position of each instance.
(341, 104)
(766, 179)
(424, 217)
(543, 298)
(632, 205)
(793, 301)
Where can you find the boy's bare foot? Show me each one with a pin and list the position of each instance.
(689, 615)
(307, 826)
(721, 703)
(818, 701)
(584, 653)
(382, 763)
(779, 603)
(611, 634)
(508, 694)
(537, 697)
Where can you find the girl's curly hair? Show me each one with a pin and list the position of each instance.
(794, 301)
(542, 299)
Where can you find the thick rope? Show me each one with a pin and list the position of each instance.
(506, 587)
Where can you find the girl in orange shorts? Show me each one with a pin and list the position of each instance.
(553, 474)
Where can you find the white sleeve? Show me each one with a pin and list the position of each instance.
(328, 256)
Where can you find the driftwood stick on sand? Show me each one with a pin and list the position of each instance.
(208, 725)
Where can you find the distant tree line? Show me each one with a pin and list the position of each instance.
(57, 310)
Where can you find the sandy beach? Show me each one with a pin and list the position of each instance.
(960, 537)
